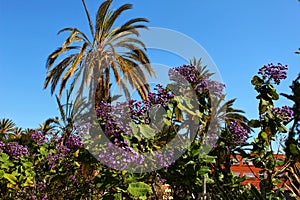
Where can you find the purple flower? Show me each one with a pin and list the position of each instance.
(2, 145)
(38, 137)
(285, 114)
(73, 178)
(240, 134)
(73, 141)
(45, 197)
(189, 74)
(15, 150)
(274, 72)
(53, 159)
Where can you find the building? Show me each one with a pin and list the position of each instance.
(242, 167)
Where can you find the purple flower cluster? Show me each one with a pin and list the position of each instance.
(215, 88)
(162, 97)
(73, 141)
(115, 119)
(188, 74)
(2, 146)
(41, 186)
(82, 128)
(53, 159)
(119, 156)
(163, 158)
(15, 150)
(274, 72)
(285, 113)
(240, 134)
(38, 137)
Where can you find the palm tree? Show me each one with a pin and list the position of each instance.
(110, 50)
(7, 127)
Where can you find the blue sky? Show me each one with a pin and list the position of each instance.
(240, 36)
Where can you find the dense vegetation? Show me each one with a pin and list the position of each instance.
(170, 143)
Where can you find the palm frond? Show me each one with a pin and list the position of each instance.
(101, 14)
(89, 18)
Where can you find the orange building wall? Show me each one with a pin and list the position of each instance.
(241, 168)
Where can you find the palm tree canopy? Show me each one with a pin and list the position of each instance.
(109, 49)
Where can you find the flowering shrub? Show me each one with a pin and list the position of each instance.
(59, 164)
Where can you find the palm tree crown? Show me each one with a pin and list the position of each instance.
(110, 50)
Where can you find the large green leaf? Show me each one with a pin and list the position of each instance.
(146, 130)
(254, 123)
(11, 178)
(139, 189)
(257, 81)
(1, 173)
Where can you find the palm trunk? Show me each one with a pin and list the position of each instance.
(102, 92)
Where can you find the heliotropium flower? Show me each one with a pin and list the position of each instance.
(15, 150)
(285, 113)
(240, 134)
(274, 72)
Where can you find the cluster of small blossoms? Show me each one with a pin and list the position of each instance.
(163, 159)
(119, 155)
(240, 134)
(82, 128)
(162, 97)
(185, 73)
(213, 87)
(274, 72)
(73, 141)
(285, 113)
(189, 74)
(63, 150)
(2, 146)
(53, 159)
(114, 119)
(38, 137)
(15, 150)
(211, 139)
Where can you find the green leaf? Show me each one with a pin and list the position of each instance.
(7, 165)
(256, 81)
(1, 173)
(11, 178)
(29, 182)
(4, 157)
(139, 189)
(134, 128)
(295, 150)
(254, 123)
(283, 129)
(264, 135)
(204, 170)
(273, 93)
(146, 130)
(27, 164)
(207, 159)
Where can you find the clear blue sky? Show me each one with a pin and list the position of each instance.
(240, 36)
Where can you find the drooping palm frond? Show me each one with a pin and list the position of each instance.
(110, 49)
